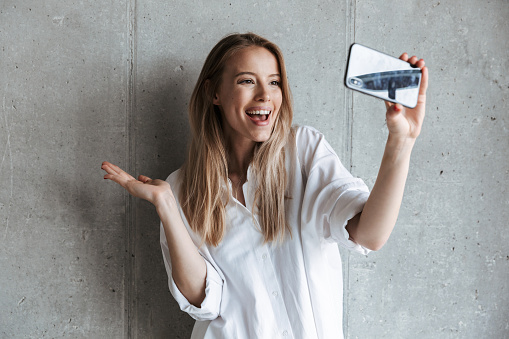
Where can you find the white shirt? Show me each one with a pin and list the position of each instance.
(292, 290)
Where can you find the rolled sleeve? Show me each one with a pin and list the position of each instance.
(210, 307)
(350, 203)
(332, 195)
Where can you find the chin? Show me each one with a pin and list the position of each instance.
(262, 137)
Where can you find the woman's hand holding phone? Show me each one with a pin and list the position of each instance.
(404, 122)
(376, 222)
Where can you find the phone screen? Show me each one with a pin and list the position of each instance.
(382, 76)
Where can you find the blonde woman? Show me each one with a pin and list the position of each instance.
(251, 222)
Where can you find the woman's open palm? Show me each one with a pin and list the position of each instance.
(143, 187)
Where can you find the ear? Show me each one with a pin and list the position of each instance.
(215, 99)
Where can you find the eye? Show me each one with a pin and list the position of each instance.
(275, 83)
(246, 81)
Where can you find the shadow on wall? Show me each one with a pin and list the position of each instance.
(161, 131)
(121, 274)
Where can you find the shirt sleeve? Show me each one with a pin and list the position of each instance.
(332, 196)
(209, 308)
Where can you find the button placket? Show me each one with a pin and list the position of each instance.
(273, 289)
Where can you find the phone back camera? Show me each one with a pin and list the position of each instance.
(356, 82)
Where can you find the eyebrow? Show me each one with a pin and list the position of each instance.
(251, 73)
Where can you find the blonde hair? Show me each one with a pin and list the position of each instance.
(205, 172)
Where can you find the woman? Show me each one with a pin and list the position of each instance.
(250, 224)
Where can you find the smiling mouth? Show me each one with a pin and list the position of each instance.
(259, 115)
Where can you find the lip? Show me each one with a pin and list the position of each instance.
(260, 108)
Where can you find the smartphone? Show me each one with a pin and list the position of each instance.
(382, 76)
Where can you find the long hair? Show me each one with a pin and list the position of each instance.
(205, 172)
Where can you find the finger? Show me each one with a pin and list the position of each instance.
(144, 178)
(413, 60)
(121, 180)
(106, 163)
(394, 110)
(424, 81)
(113, 167)
(115, 170)
(109, 169)
(404, 56)
(420, 64)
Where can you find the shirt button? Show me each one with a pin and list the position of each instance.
(274, 293)
(264, 256)
(285, 333)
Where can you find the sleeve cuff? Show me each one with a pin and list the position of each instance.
(348, 206)
(209, 308)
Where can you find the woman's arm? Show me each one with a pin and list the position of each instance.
(188, 267)
(372, 227)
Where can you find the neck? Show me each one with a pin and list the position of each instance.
(239, 158)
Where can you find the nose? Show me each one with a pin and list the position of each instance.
(262, 93)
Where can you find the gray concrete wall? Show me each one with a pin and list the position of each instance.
(82, 82)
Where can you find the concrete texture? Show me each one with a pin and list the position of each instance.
(83, 82)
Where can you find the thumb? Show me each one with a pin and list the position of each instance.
(394, 110)
(144, 179)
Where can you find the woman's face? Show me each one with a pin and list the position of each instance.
(249, 96)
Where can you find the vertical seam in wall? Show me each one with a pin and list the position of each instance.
(352, 40)
(349, 39)
(346, 144)
(129, 262)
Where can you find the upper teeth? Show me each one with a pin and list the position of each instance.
(258, 112)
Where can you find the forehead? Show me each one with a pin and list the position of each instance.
(252, 59)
